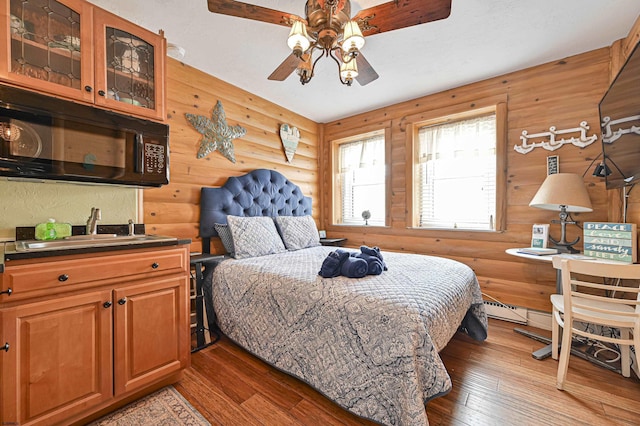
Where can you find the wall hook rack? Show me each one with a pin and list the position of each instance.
(551, 142)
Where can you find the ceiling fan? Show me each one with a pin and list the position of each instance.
(329, 30)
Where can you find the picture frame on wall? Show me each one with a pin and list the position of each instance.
(553, 165)
(540, 235)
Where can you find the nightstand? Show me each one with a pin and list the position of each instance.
(198, 324)
(338, 242)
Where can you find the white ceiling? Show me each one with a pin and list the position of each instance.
(479, 40)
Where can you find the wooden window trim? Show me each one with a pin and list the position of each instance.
(335, 204)
(455, 113)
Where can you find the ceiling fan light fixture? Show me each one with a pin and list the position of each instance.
(353, 40)
(348, 71)
(305, 69)
(298, 40)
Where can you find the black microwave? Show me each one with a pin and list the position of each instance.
(43, 137)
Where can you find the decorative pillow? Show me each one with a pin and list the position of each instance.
(254, 236)
(298, 232)
(225, 235)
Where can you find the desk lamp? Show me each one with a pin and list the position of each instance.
(566, 193)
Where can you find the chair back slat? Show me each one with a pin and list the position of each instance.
(590, 300)
(594, 299)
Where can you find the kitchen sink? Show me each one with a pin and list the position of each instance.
(87, 241)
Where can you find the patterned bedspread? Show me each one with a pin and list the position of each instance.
(370, 344)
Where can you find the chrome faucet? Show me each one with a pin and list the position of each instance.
(92, 222)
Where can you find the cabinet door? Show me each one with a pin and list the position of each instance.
(151, 331)
(130, 64)
(59, 361)
(46, 45)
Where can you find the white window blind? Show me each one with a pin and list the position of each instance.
(456, 174)
(362, 180)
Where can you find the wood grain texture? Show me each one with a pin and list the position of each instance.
(561, 93)
(175, 208)
(494, 382)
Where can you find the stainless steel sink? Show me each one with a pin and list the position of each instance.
(96, 237)
(86, 241)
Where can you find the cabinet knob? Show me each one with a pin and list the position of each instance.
(7, 291)
(88, 88)
(63, 277)
(101, 92)
(155, 265)
(122, 301)
(5, 347)
(107, 304)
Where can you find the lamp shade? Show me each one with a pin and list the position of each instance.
(349, 69)
(562, 189)
(298, 38)
(353, 39)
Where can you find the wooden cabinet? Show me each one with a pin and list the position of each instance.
(110, 325)
(152, 332)
(59, 361)
(73, 49)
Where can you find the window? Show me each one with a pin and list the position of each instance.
(455, 174)
(361, 180)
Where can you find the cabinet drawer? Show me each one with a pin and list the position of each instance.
(53, 276)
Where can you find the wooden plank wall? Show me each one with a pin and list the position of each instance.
(562, 94)
(174, 208)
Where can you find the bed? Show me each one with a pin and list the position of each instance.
(369, 344)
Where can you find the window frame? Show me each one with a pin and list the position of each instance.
(457, 113)
(336, 189)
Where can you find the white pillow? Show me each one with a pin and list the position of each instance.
(254, 236)
(298, 232)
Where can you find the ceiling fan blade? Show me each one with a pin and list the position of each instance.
(251, 11)
(285, 69)
(397, 14)
(366, 73)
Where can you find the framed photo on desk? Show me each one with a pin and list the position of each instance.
(539, 235)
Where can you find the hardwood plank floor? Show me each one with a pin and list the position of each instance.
(496, 382)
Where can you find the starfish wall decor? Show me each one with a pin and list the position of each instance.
(216, 133)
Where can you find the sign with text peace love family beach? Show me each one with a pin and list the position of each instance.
(611, 241)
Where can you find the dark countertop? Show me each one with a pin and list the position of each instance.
(10, 252)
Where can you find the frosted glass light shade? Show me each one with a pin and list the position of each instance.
(352, 37)
(349, 70)
(298, 39)
(562, 189)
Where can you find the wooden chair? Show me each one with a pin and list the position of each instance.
(589, 298)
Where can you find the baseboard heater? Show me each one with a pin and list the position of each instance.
(506, 312)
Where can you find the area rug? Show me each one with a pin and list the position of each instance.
(165, 407)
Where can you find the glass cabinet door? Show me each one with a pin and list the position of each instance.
(129, 66)
(47, 40)
(130, 69)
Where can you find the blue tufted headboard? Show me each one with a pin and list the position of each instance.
(261, 192)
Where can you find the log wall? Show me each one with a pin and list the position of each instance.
(562, 94)
(174, 209)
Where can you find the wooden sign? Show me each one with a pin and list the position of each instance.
(611, 241)
(290, 137)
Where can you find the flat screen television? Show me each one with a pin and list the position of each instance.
(620, 123)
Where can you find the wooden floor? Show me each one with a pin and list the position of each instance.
(496, 382)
